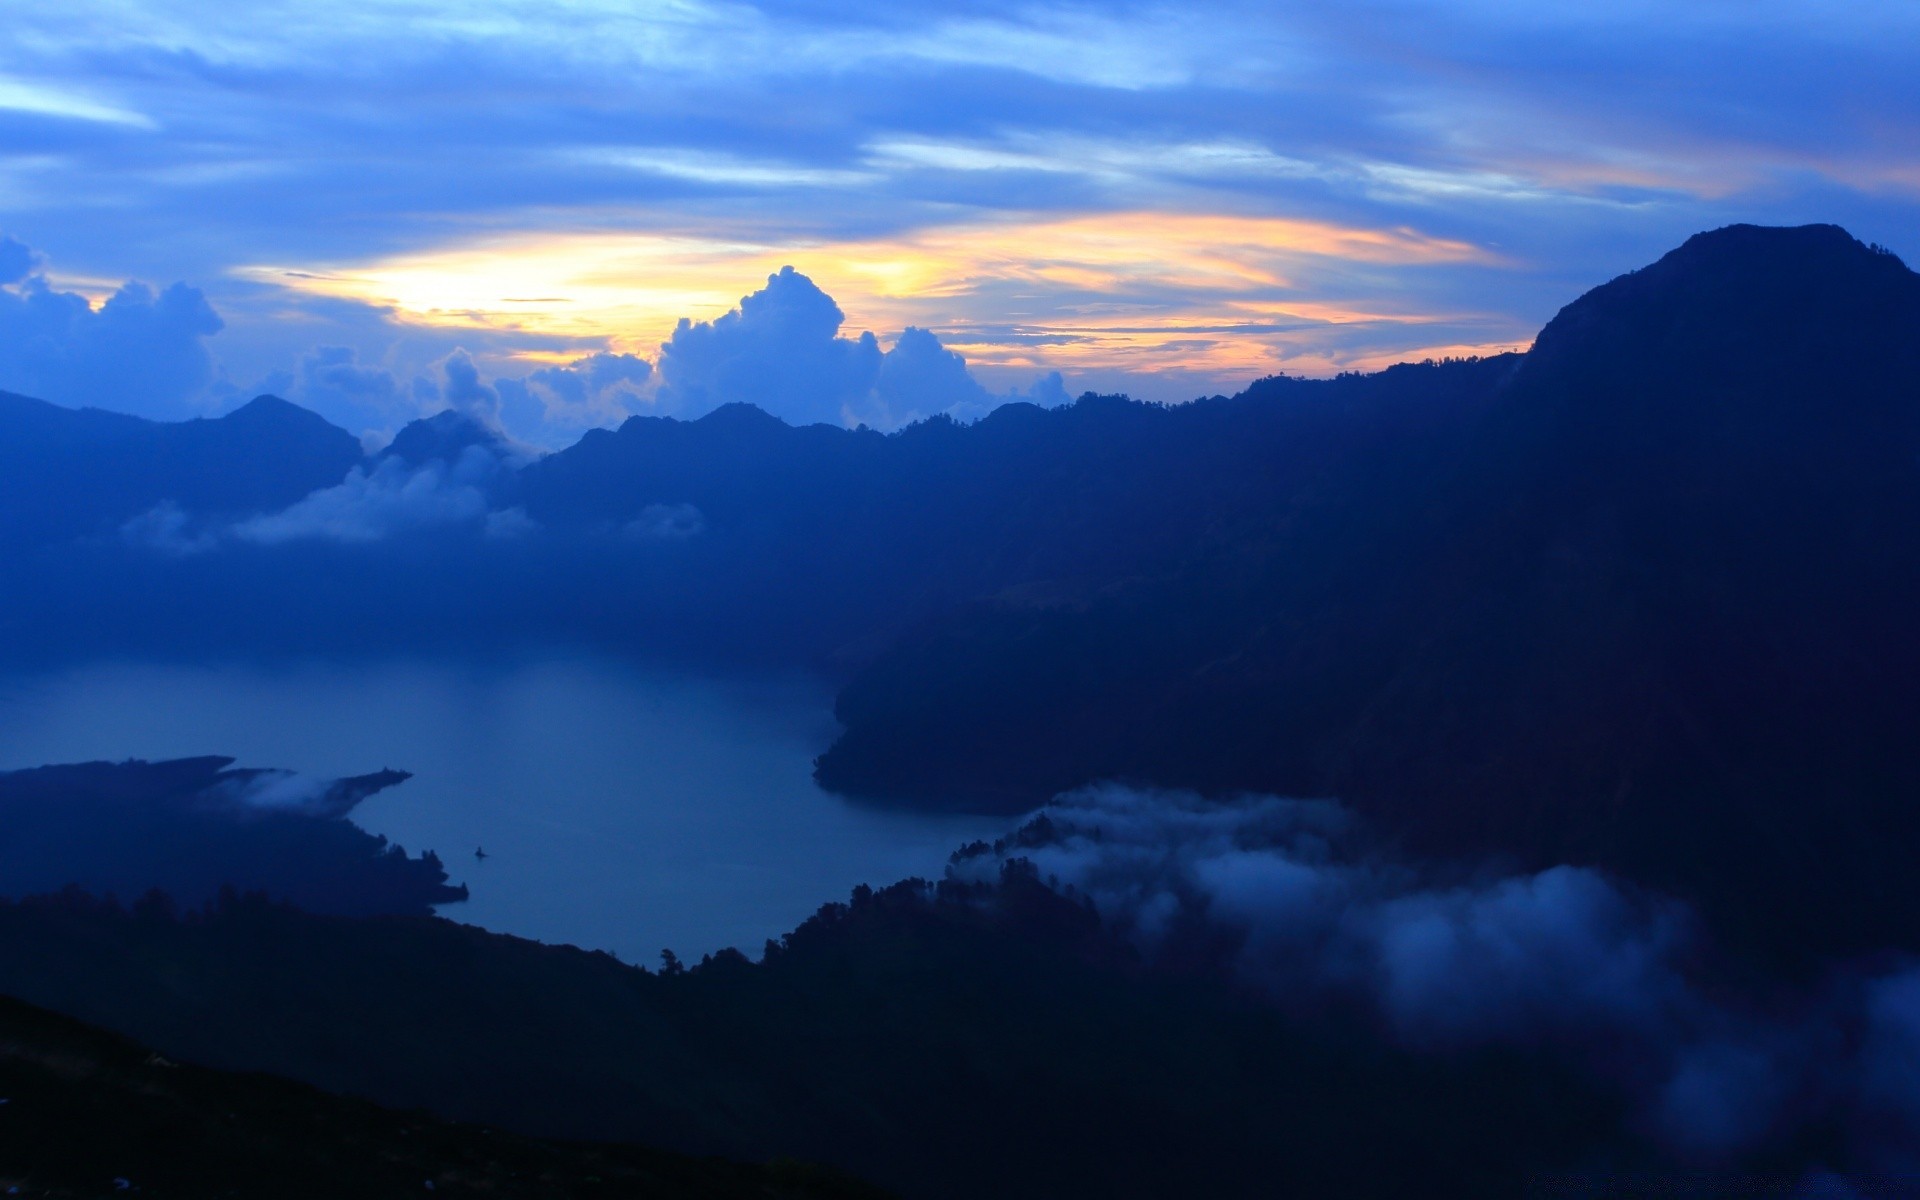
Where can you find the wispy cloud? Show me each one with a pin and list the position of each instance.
(955, 167)
(54, 100)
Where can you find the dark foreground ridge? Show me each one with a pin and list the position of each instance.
(986, 1042)
(87, 1114)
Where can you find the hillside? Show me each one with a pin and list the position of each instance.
(1647, 609)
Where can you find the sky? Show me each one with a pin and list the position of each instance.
(382, 208)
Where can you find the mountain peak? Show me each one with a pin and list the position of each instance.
(1771, 241)
(741, 415)
(1745, 309)
(441, 436)
(267, 408)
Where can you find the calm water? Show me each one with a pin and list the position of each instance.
(621, 809)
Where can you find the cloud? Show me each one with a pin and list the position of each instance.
(666, 523)
(375, 399)
(782, 351)
(1443, 963)
(141, 351)
(168, 529)
(392, 497)
(333, 381)
(919, 376)
(1291, 897)
(597, 390)
(464, 391)
(387, 498)
(1582, 141)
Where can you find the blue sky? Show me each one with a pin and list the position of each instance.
(380, 207)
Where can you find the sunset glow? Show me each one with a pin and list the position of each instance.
(1138, 291)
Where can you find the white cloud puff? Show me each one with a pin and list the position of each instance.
(393, 497)
(781, 350)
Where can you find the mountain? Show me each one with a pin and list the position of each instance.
(848, 539)
(82, 473)
(1635, 599)
(947, 1044)
(1646, 605)
(92, 1114)
(445, 436)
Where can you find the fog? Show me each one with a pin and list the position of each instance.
(1298, 900)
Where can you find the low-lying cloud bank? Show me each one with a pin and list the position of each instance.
(1290, 899)
(391, 496)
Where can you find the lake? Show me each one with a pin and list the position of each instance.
(621, 809)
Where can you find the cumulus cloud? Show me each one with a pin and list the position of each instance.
(545, 407)
(782, 350)
(597, 390)
(334, 380)
(141, 351)
(392, 496)
(919, 375)
(466, 393)
(1290, 897)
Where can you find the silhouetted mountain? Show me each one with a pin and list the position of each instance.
(67, 473)
(974, 1042)
(1644, 604)
(1641, 600)
(91, 1114)
(443, 436)
(193, 827)
(851, 537)
(1635, 599)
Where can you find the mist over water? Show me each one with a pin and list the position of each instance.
(620, 808)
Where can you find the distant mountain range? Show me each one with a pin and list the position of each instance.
(67, 474)
(1641, 597)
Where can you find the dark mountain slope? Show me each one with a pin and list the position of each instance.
(1649, 608)
(850, 537)
(88, 1114)
(971, 1043)
(445, 436)
(68, 473)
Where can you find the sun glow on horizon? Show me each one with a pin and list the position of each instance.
(1144, 292)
